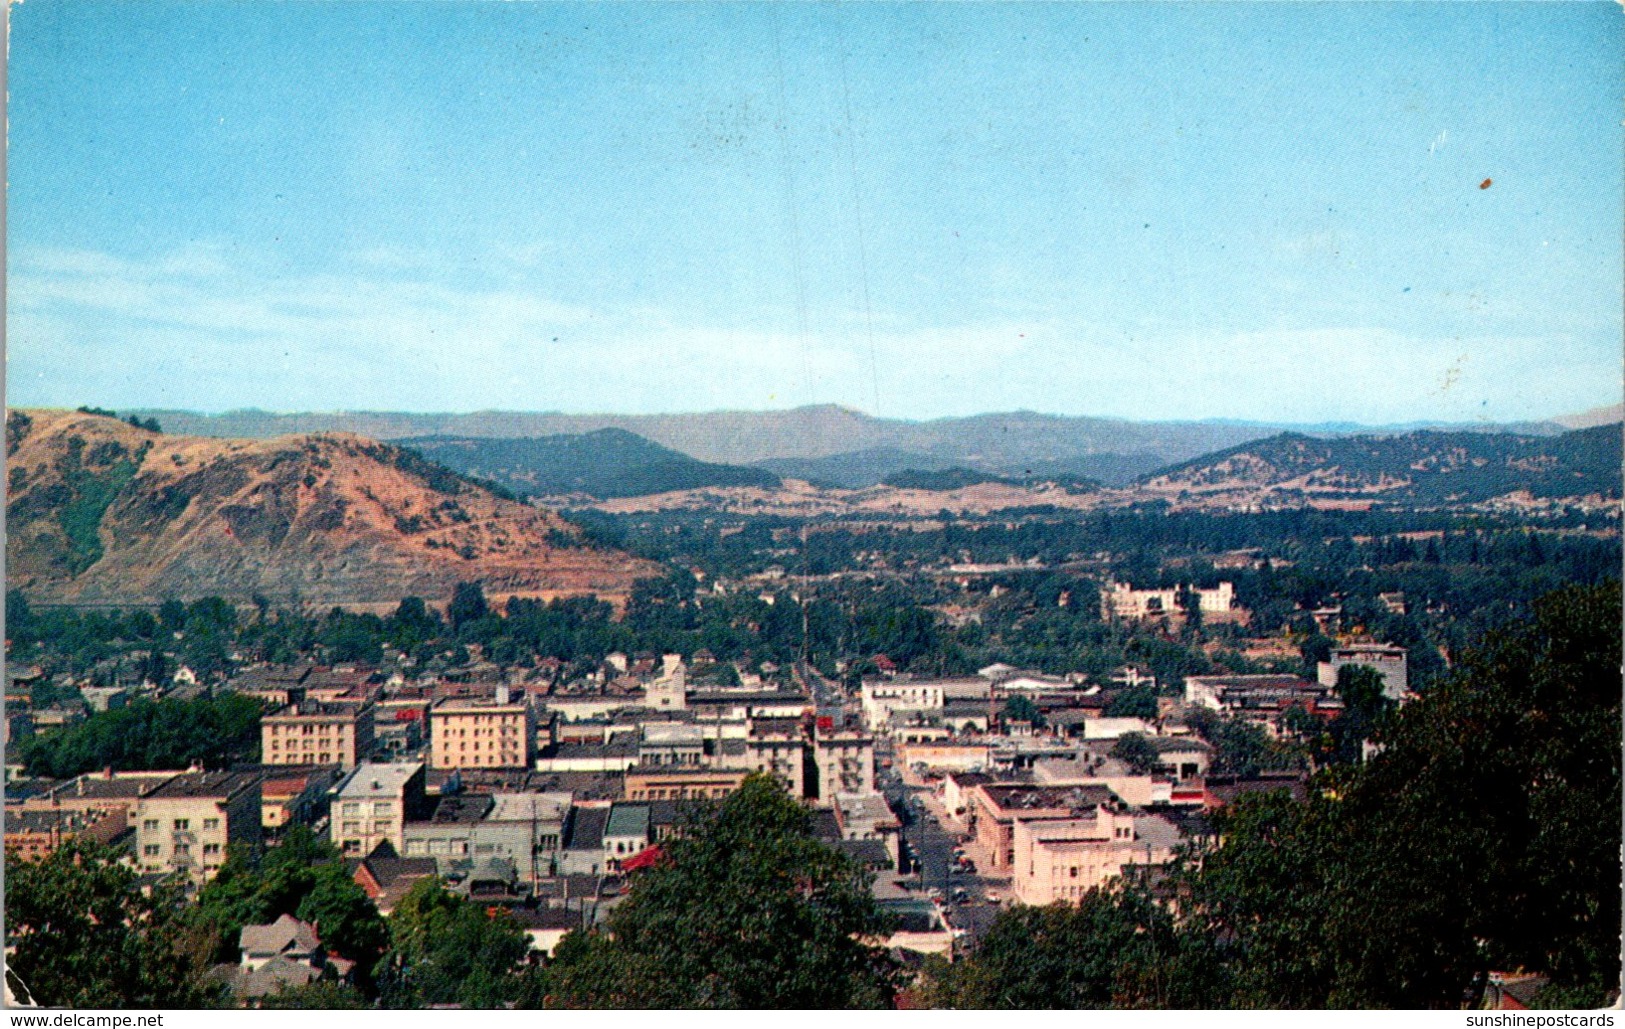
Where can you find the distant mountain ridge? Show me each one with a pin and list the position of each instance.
(826, 443)
(1424, 468)
(603, 464)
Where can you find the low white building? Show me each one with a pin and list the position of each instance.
(884, 700)
(1061, 860)
(1391, 661)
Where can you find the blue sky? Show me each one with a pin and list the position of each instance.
(1267, 211)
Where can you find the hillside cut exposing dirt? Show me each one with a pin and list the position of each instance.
(102, 512)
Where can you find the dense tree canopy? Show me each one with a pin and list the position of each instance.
(1483, 836)
(165, 734)
(85, 936)
(445, 949)
(747, 910)
(304, 877)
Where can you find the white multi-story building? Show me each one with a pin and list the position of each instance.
(1120, 600)
(186, 824)
(374, 804)
(884, 700)
(845, 761)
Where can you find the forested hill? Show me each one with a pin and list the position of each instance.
(1419, 467)
(605, 464)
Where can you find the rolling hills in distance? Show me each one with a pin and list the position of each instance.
(602, 464)
(837, 446)
(1425, 468)
(103, 512)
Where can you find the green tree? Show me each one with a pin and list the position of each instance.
(321, 995)
(1484, 836)
(748, 909)
(1118, 947)
(344, 915)
(443, 949)
(1134, 750)
(1136, 702)
(1021, 709)
(467, 604)
(1364, 709)
(151, 734)
(84, 936)
(305, 877)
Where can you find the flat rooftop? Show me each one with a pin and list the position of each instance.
(204, 785)
(374, 780)
(523, 807)
(1020, 797)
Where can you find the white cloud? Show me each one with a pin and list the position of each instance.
(199, 331)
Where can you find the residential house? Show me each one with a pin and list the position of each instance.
(385, 876)
(287, 938)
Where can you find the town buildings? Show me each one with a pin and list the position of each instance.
(1262, 699)
(1391, 661)
(185, 825)
(1120, 600)
(481, 733)
(373, 806)
(1059, 860)
(32, 835)
(315, 732)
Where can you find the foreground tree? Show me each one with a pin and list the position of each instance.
(746, 910)
(83, 935)
(304, 877)
(1117, 948)
(445, 949)
(1483, 836)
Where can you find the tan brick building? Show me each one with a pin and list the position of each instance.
(315, 733)
(481, 733)
(655, 782)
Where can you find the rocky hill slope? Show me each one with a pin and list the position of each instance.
(103, 512)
